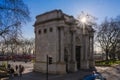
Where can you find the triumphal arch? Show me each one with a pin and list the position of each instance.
(59, 37)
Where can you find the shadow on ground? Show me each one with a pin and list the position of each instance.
(40, 76)
(110, 73)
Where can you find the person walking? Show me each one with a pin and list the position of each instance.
(16, 69)
(91, 76)
(21, 70)
(10, 72)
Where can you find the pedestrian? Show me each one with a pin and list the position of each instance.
(21, 70)
(91, 76)
(16, 69)
(94, 73)
(8, 66)
(11, 73)
(9, 70)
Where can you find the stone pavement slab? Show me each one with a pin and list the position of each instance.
(110, 73)
(40, 76)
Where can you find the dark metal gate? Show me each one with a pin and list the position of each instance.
(78, 50)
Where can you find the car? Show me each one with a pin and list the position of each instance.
(25, 58)
(3, 58)
(96, 76)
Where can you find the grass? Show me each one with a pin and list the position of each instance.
(3, 72)
(33, 60)
(2, 68)
(107, 62)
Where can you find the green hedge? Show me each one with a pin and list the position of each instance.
(3, 72)
(2, 68)
(107, 62)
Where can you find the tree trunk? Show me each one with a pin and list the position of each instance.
(107, 54)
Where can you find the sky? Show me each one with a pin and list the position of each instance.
(97, 8)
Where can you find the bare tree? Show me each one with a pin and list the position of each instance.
(118, 49)
(13, 42)
(13, 13)
(88, 18)
(27, 46)
(2, 48)
(13, 45)
(107, 36)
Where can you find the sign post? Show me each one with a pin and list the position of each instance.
(49, 61)
(47, 68)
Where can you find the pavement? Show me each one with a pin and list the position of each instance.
(70, 76)
(30, 75)
(110, 73)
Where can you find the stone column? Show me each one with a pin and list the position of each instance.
(86, 51)
(60, 65)
(61, 44)
(91, 61)
(89, 47)
(73, 64)
(73, 47)
(84, 61)
(86, 46)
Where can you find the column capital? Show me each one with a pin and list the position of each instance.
(73, 30)
(60, 27)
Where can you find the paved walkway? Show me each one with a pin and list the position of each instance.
(110, 73)
(40, 76)
(29, 75)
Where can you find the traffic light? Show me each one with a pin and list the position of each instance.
(50, 60)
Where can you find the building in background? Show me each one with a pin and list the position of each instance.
(58, 36)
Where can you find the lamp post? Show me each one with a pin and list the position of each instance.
(47, 67)
(49, 61)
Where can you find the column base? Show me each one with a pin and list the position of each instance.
(60, 68)
(91, 63)
(72, 66)
(84, 64)
(55, 68)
